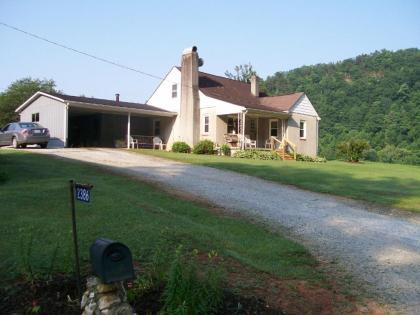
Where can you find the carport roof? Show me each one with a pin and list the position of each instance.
(90, 102)
(101, 101)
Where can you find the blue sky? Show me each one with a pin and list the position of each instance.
(150, 36)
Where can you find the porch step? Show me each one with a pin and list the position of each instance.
(287, 156)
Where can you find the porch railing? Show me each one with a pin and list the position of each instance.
(283, 146)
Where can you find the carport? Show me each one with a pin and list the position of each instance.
(78, 121)
(112, 125)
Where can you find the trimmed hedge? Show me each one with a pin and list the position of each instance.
(204, 147)
(181, 147)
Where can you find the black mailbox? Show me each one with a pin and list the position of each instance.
(111, 260)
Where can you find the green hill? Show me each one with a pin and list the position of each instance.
(374, 97)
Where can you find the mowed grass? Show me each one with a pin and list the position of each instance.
(35, 222)
(392, 185)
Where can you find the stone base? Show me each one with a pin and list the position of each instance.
(105, 299)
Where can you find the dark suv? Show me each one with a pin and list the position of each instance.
(22, 133)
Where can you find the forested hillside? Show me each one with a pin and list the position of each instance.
(374, 97)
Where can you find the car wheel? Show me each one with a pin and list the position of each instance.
(15, 143)
(44, 145)
(23, 146)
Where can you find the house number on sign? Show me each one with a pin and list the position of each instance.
(82, 193)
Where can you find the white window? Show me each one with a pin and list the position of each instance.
(206, 124)
(35, 117)
(174, 90)
(274, 127)
(302, 129)
(232, 125)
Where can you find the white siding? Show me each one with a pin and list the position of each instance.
(221, 107)
(162, 96)
(51, 115)
(304, 107)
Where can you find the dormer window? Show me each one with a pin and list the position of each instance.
(174, 90)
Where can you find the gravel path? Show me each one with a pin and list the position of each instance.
(383, 250)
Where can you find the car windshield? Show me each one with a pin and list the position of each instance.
(29, 125)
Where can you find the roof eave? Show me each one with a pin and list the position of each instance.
(254, 110)
(122, 109)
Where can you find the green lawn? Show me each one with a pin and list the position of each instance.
(35, 226)
(391, 185)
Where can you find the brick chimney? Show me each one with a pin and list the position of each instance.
(117, 97)
(255, 87)
(189, 115)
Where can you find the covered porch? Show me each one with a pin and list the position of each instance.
(253, 129)
(258, 130)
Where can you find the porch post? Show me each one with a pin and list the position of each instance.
(257, 132)
(283, 129)
(128, 130)
(243, 131)
(66, 125)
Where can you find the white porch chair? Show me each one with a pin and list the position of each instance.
(157, 142)
(268, 143)
(252, 144)
(134, 143)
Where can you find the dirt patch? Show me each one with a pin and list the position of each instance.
(54, 297)
(297, 296)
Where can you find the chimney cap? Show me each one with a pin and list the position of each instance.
(189, 50)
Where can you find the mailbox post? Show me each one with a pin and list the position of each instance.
(112, 263)
(80, 192)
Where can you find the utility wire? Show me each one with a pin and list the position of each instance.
(82, 52)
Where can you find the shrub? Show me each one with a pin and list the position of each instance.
(256, 155)
(187, 292)
(353, 149)
(225, 150)
(204, 147)
(181, 147)
(307, 158)
(393, 154)
(370, 155)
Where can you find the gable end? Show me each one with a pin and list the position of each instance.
(304, 107)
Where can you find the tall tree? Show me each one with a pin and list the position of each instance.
(17, 93)
(373, 97)
(241, 73)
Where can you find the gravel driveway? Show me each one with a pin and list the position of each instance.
(380, 249)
